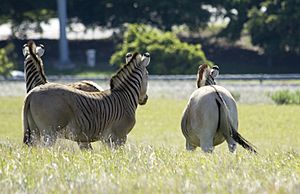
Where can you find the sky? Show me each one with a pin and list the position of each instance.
(51, 31)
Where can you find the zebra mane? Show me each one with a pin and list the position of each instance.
(124, 72)
(38, 61)
(203, 73)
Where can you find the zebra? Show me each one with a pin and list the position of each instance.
(210, 116)
(35, 74)
(54, 110)
(206, 75)
(33, 65)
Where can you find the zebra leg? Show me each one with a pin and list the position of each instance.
(114, 142)
(206, 142)
(189, 146)
(34, 134)
(120, 141)
(49, 136)
(85, 145)
(231, 144)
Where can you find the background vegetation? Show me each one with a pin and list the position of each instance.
(169, 55)
(269, 28)
(6, 63)
(286, 97)
(154, 158)
(272, 24)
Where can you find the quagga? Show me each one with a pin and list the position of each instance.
(211, 117)
(35, 74)
(54, 110)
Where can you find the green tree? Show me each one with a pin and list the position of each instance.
(168, 54)
(237, 13)
(6, 65)
(26, 14)
(275, 26)
(160, 13)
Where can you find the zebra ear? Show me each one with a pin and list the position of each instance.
(40, 50)
(146, 59)
(202, 75)
(25, 50)
(214, 71)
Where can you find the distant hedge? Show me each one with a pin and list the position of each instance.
(6, 64)
(286, 97)
(169, 55)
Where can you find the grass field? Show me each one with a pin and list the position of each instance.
(154, 159)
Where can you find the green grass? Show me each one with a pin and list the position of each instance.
(154, 159)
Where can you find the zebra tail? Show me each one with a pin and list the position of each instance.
(242, 141)
(227, 125)
(26, 127)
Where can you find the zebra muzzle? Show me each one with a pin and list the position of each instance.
(144, 100)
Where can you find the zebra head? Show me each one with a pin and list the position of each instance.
(143, 92)
(207, 75)
(39, 50)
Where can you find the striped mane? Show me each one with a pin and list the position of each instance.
(39, 62)
(202, 75)
(124, 72)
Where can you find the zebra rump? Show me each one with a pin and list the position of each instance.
(210, 116)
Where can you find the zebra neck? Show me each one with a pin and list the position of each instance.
(129, 86)
(129, 97)
(33, 75)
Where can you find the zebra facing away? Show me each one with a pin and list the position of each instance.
(54, 110)
(210, 116)
(33, 65)
(206, 75)
(34, 70)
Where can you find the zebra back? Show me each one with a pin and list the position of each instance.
(87, 86)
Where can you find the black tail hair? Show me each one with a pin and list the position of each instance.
(233, 132)
(242, 141)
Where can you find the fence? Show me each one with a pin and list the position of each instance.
(242, 77)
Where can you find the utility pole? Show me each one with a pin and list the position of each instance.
(64, 61)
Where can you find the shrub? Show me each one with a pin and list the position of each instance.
(168, 54)
(6, 65)
(286, 97)
(236, 95)
(297, 97)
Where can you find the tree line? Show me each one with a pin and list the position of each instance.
(273, 25)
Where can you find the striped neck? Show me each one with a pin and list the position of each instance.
(204, 77)
(34, 72)
(128, 80)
